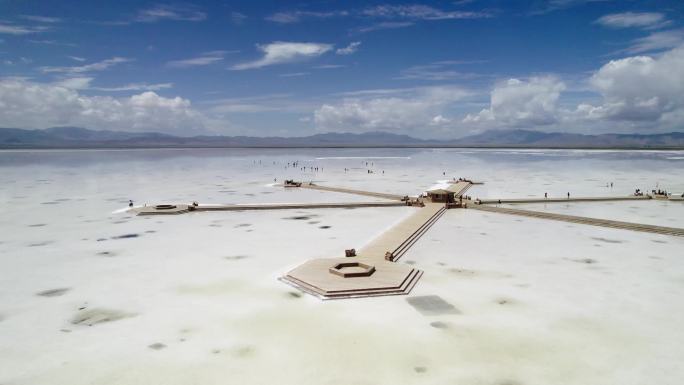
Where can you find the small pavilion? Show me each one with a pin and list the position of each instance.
(441, 195)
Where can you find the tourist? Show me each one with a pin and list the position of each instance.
(546, 195)
(568, 195)
(130, 203)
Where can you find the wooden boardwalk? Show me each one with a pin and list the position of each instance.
(401, 237)
(184, 208)
(352, 191)
(375, 271)
(562, 200)
(584, 220)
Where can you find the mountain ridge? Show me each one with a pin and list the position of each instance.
(78, 137)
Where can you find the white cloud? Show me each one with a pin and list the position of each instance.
(77, 58)
(98, 66)
(169, 12)
(13, 29)
(26, 104)
(135, 87)
(293, 74)
(419, 12)
(633, 19)
(77, 83)
(350, 49)
(400, 110)
(297, 16)
(641, 89)
(237, 18)
(521, 103)
(42, 19)
(202, 60)
(84, 83)
(441, 70)
(657, 41)
(284, 52)
(384, 25)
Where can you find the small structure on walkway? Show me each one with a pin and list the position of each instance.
(441, 196)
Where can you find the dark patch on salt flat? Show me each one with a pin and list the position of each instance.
(588, 261)
(126, 236)
(439, 325)
(432, 305)
(215, 225)
(106, 253)
(483, 233)
(324, 227)
(607, 240)
(243, 225)
(53, 292)
(38, 244)
(504, 301)
(90, 317)
(420, 369)
(409, 262)
(150, 231)
(313, 222)
(236, 257)
(50, 203)
(459, 271)
(101, 239)
(37, 225)
(119, 222)
(294, 294)
(299, 218)
(658, 241)
(157, 346)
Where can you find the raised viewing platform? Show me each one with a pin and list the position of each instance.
(375, 271)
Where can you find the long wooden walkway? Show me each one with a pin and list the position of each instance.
(402, 236)
(184, 208)
(562, 200)
(584, 220)
(352, 191)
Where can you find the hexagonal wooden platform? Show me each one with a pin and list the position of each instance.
(326, 277)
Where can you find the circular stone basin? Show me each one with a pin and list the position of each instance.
(352, 269)
(165, 207)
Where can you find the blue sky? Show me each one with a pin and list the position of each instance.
(437, 69)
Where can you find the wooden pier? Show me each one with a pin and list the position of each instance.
(175, 209)
(585, 220)
(375, 270)
(312, 186)
(561, 200)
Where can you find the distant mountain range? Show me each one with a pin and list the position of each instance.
(76, 137)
